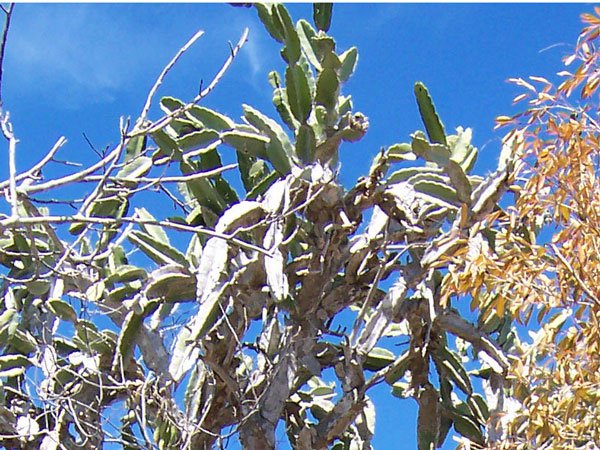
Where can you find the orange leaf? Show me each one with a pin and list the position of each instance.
(518, 98)
(540, 79)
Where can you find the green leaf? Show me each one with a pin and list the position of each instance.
(13, 365)
(95, 291)
(319, 124)
(13, 361)
(378, 358)
(210, 160)
(252, 144)
(462, 150)
(274, 27)
(243, 214)
(298, 92)
(410, 174)
(181, 127)
(170, 283)
(23, 247)
(127, 273)
(159, 252)
(127, 339)
(197, 140)
(201, 216)
(38, 288)
(437, 192)
(400, 366)
(479, 408)
(61, 309)
(262, 186)
(209, 118)
(170, 104)
(466, 426)
(208, 315)
(452, 367)
(112, 207)
(436, 153)
(202, 189)
(167, 148)
(440, 155)
(348, 59)
(331, 61)
(194, 391)
(22, 341)
(328, 86)
(7, 317)
(281, 101)
(252, 170)
(122, 292)
(432, 122)
(135, 147)
(306, 33)
(156, 231)
(400, 152)
(306, 143)
(279, 149)
(345, 105)
(322, 15)
(135, 168)
(291, 51)
(459, 181)
(88, 337)
(324, 46)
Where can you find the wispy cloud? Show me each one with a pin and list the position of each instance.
(78, 54)
(71, 50)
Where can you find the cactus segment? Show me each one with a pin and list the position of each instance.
(322, 15)
(432, 122)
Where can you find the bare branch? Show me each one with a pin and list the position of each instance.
(14, 222)
(3, 39)
(36, 168)
(174, 179)
(75, 177)
(164, 121)
(7, 130)
(162, 75)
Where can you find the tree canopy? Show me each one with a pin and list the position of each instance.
(271, 297)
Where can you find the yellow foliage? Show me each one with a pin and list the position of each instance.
(557, 376)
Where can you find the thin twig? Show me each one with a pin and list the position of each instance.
(15, 222)
(74, 177)
(91, 145)
(7, 130)
(8, 13)
(97, 192)
(179, 179)
(45, 160)
(162, 75)
(165, 120)
(570, 268)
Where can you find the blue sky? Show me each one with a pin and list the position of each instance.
(76, 68)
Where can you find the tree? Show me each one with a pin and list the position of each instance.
(111, 332)
(546, 259)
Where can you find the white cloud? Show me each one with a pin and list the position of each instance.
(81, 54)
(252, 54)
